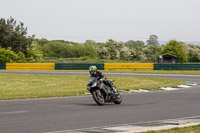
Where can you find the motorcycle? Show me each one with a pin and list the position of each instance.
(102, 93)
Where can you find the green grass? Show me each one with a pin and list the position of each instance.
(23, 86)
(184, 72)
(192, 129)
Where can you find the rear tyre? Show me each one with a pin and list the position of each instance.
(118, 99)
(98, 99)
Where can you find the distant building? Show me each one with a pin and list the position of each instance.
(167, 58)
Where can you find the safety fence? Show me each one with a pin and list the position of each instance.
(2, 65)
(100, 66)
(177, 66)
(78, 66)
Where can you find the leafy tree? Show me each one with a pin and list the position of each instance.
(14, 35)
(89, 52)
(153, 40)
(193, 53)
(152, 49)
(71, 50)
(103, 52)
(127, 54)
(151, 52)
(115, 50)
(175, 48)
(35, 51)
(82, 51)
(63, 41)
(54, 49)
(41, 41)
(90, 43)
(137, 45)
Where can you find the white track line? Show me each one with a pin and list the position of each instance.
(14, 112)
(103, 127)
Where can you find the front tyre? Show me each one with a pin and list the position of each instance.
(118, 99)
(99, 99)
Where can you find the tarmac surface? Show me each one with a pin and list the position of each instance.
(70, 113)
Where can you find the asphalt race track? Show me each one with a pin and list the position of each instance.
(62, 114)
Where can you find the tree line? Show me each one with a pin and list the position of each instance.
(17, 46)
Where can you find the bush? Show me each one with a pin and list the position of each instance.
(21, 57)
(193, 53)
(8, 56)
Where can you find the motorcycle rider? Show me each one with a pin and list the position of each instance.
(94, 73)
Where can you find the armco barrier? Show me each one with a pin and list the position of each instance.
(128, 66)
(78, 66)
(30, 66)
(178, 66)
(2, 65)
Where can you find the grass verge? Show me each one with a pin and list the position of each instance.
(23, 86)
(183, 72)
(192, 129)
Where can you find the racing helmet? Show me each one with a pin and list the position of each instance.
(92, 70)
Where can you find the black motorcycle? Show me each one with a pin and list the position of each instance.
(102, 93)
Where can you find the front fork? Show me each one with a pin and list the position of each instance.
(99, 92)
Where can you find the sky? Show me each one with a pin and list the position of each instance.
(100, 20)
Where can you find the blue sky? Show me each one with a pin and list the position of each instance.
(100, 20)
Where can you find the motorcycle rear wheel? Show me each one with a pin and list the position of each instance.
(98, 99)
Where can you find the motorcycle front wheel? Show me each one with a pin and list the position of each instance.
(118, 99)
(99, 99)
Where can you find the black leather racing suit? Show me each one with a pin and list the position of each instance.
(100, 75)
